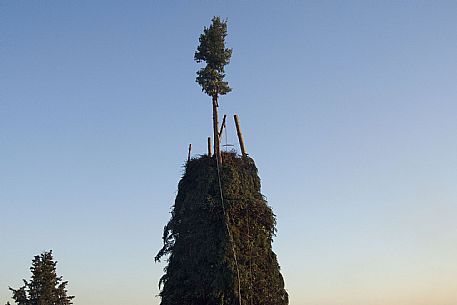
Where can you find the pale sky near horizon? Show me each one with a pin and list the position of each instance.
(349, 109)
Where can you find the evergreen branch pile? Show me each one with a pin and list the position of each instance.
(201, 266)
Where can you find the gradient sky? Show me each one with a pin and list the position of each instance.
(348, 108)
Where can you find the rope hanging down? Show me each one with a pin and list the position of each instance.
(226, 219)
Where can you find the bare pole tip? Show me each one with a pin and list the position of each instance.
(188, 154)
(209, 147)
(240, 135)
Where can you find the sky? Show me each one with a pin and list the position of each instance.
(348, 108)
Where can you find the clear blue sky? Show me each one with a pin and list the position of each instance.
(348, 108)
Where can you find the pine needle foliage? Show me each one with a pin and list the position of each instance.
(212, 50)
(202, 269)
(45, 287)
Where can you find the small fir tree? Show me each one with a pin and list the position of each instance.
(212, 50)
(45, 287)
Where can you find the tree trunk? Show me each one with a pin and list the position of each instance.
(217, 149)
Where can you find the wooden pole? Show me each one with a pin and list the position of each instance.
(240, 135)
(217, 147)
(222, 127)
(209, 147)
(188, 154)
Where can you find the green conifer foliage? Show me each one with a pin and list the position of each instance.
(45, 287)
(212, 50)
(202, 269)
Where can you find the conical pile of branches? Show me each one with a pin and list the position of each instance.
(218, 250)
